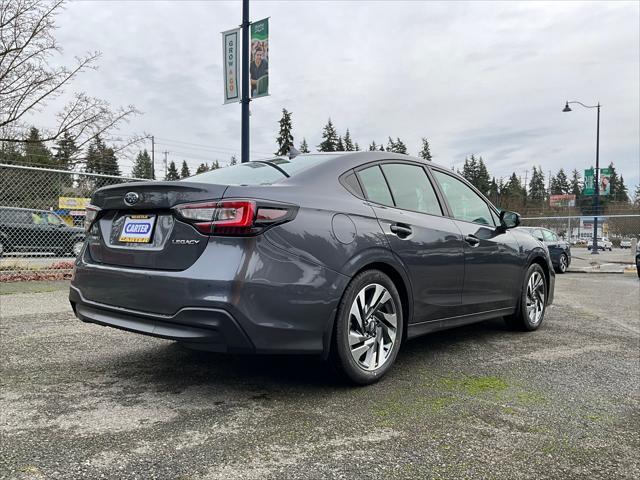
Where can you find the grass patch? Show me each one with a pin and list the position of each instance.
(474, 385)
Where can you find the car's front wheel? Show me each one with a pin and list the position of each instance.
(368, 329)
(533, 299)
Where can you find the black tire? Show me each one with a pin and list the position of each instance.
(563, 263)
(343, 355)
(521, 320)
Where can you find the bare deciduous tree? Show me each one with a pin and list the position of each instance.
(28, 80)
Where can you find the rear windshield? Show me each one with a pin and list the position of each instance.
(264, 172)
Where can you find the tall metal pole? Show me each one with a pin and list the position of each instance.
(244, 157)
(594, 249)
(153, 157)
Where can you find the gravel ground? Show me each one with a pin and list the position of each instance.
(83, 401)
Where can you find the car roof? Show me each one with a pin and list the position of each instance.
(26, 209)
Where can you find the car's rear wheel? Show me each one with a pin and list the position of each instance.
(532, 306)
(368, 329)
(563, 263)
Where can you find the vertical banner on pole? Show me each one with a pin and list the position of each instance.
(259, 68)
(230, 52)
(605, 181)
(589, 187)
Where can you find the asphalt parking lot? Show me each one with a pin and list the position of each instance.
(83, 401)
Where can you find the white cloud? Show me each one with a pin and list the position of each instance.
(484, 78)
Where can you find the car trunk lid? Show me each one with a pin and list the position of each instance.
(137, 228)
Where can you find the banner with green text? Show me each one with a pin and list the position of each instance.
(259, 68)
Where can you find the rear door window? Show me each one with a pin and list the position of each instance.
(411, 188)
(549, 236)
(375, 186)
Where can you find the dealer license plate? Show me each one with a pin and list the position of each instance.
(137, 228)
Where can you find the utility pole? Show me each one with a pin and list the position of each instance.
(153, 157)
(244, 157)
(166, 152)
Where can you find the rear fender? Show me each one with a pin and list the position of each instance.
(381, 259)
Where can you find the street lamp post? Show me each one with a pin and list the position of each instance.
(594, 248)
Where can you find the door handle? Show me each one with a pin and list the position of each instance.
(401, 231)
(472, 240)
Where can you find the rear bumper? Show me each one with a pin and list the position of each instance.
(248, 296)
(204, 328)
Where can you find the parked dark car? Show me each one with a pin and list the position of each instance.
(559, 249)
(638, 258)
(28, 230)
(342, 255)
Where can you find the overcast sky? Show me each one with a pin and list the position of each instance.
(483, 78)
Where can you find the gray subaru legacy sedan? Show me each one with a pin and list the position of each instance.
(344, 255)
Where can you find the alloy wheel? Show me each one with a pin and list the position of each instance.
(373, 326)
(535, 298)
(563, 263)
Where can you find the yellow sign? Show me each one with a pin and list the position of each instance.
(73, 203)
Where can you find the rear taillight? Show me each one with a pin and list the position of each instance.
(234, 217)
(91, 212)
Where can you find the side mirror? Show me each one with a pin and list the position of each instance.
(509, 219)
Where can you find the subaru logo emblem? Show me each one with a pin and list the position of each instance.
(131, 198)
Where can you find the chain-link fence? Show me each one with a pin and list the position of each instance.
(577, 229)
(42, 218)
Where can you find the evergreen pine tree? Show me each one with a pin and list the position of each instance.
(622, 193)
(304, 148)
(329, 138)
(562, 183)
(618, 189)
(348, 143)
(470, 169)
(482, 182)
(391, 145)
(381, 149)
(66, 151)
(101, 159)
(142, 167)
(537, 190)
(513, 194)
(373, 147)
(636, 196)
(340, 145)
(172, 172)
(10, 153)
(493, 191)
(233, 161)
(357, 147)
(35, 151)
(400, 147)
(203, 167)
(285, 138)
(576, 183)
(184, 171)
(215, 165)
(425, 152)
(554, 189)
